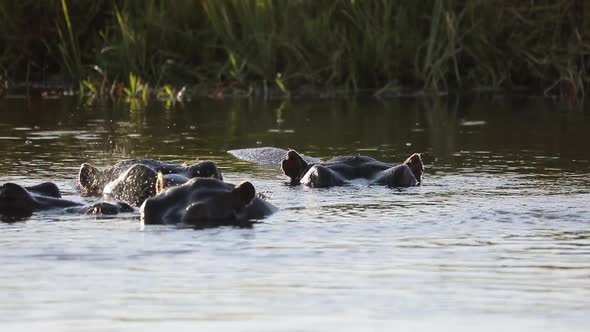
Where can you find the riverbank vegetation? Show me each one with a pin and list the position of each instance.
(172, 49)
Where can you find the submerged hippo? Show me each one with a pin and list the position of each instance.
(339, 170)
(17, 202)
(133, 181)
(206, 203)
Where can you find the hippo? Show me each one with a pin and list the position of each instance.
(204, 203)
(337, 171)
(133, 181)
(18, 202)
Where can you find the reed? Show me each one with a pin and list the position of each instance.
(389, 47)
(68, 46)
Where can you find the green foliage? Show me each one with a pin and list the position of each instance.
(137, 91)
(281, 84)
(169, 95)
(68, 45)
(380, 45)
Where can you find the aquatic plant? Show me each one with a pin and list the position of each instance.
(68, 45)
(137, 92)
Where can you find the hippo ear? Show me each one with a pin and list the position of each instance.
(161, 183)
(244, 193)
(293, 164)
(205, 169)
(415, 164)
(87, 175)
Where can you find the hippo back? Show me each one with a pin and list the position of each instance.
(266, 155)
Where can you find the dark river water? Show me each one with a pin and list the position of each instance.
(497, 237)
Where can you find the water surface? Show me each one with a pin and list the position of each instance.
(497, 237)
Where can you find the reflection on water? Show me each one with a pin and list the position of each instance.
(497, 237)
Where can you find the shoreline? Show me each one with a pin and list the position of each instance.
(186, 93)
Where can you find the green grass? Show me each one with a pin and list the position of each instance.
(287, 46)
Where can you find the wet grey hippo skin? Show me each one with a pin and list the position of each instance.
(48, 189)
(18, 202)
(133, 181)
(206, 203)
(339, 170)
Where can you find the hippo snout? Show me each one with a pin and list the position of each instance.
(151, 212)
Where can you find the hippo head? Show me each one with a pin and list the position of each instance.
(163, 182)
(414, 162)
(15, 202)
(200, 202)
(89, 180)
(293, 166)
(205, 169)
(134, 186)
